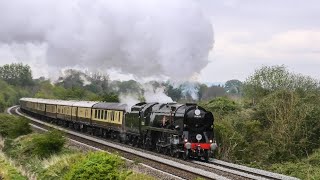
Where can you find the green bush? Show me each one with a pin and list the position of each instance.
(35, 145)
(48, 143)
(98, 165)
(13, 126)
(291, 123)
(222, 106)
(308, 168)
(240, 139)
(57, 169)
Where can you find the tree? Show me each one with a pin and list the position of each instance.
(45, 90)
(9, 95)
(109, 97)
(233, 86)
(290, 121)
(222, 106)
(131, 86)
(72, 79)
(202, 88)
(99, 83)
(16, 74)
(269, 79)
(212, 92)
(174, 93)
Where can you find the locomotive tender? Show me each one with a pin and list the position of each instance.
(177, 129)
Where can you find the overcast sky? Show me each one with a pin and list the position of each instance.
(252, 33)
(247, 35)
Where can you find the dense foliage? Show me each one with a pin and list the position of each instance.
(307, 168)
(35, 145)
(16, 74)
(276, 121)
(10, 95)
(98, 165)
(57, 169)
(13, 126)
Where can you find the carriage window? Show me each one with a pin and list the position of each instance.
(96, 114)
(105, 115)
(102, 114)
(119, 116)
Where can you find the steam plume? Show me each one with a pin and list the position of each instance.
(145, 38)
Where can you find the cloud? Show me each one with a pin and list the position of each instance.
(285, 46)
(141, 37)
(238, 53)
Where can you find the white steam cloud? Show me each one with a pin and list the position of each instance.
(145, 38)
(150, 94)
(129, 99)
(155, 95)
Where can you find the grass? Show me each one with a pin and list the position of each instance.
(65, 163)
(8, 171)
(307, 168)
(44, 156)
(55, 167)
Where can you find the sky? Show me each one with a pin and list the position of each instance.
(252, 33)
(201, 40)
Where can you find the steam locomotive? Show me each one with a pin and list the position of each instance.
(181, 130)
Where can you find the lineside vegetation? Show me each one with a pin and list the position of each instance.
(45, 156)
(274, 124)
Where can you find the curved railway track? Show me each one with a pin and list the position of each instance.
(215, 169)
(244, 171)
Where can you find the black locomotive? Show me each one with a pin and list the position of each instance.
(184, 130)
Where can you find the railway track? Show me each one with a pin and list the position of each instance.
(244, 171)
(215, 169)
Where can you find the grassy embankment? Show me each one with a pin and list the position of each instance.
(45, 156)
